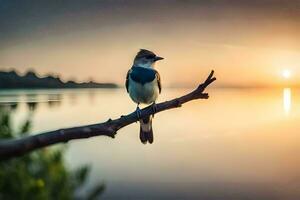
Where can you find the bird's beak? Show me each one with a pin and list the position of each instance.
(158, 58)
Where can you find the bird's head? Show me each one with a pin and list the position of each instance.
(146, 58)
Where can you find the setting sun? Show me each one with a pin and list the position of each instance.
(286, 73)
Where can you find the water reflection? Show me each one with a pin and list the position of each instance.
(9, 106)
(30, 98)
(32, 106)
(54, 97)
(287, 100)
(229, 135)
(54, 100)
(52, 103)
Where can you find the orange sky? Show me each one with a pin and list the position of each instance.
(248, 44)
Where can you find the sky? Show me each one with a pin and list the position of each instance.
(247, 43)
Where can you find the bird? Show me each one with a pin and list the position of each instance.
(143, 84)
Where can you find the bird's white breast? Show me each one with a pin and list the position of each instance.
(146, 93)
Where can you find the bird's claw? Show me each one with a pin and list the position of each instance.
(138, 112)
(154, 109)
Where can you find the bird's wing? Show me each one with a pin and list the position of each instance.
(158, 81)
(127, 79)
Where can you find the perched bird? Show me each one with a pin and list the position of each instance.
(143, 85)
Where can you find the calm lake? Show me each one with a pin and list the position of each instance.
(241, 143)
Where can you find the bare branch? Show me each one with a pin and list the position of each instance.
(17, 147)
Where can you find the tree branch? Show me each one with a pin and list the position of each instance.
(17, 147)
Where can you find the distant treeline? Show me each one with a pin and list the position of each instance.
(12, 80)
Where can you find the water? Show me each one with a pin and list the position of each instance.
(241, 143)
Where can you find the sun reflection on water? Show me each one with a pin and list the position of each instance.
(287, 100)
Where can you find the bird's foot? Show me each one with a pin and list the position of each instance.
(138, 112)
(154, 109)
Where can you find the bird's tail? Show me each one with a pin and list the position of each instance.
(146, 132)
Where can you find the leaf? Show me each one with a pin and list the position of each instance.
(81, 175)
(96, 191)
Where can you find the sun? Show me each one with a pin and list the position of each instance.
(286, 73)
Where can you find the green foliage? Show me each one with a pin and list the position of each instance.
(41, 174)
